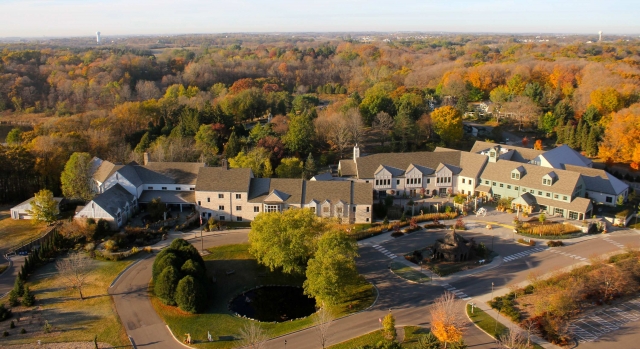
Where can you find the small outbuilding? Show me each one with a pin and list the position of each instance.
(21, 211)
(454, 248)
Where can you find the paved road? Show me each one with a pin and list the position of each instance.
(129, 293)
(8, 278)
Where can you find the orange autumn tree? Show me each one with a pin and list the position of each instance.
(606, 99)
(538, 144)
(446, 322)
(621, 142)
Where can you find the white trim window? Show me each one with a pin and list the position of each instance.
(271, 208)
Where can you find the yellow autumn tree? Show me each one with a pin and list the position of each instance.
(447, 122)
(446, 321)
(606, 99)
(622, 136)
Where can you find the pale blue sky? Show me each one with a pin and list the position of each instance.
(39, 18)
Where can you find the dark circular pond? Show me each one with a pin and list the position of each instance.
(273, 303)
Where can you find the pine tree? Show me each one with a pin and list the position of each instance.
(592, 143)
(28, 299)
(309, 167)
(144, 144)
(573, 139)
(560, 133)
(18, 287)
(233, 146)
(584, 137)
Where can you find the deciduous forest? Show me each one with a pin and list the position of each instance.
(285, 106)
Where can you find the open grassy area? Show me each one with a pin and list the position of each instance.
(407, 273)
(72, 319)
(411, 336)
(3, 267)
(12, 232)
(218, 320)
(488, 324)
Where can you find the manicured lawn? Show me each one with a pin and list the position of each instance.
(220, 322)
(3, 267)
(408, 273)
(12, 232)
(488, 324)
(72, 319)
(411, 336)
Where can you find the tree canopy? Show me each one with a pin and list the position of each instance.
(76, 178)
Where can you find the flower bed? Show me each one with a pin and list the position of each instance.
(379, 229)
(548, 229)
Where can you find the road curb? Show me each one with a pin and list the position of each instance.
(127, 268)
(6, 271)
(474, 324)
(174, 337)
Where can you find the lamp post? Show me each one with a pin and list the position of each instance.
(285, 344)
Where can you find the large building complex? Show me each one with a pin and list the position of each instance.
(559, 181)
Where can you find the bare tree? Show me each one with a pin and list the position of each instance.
(355, 124)
(530, 328)
(383, 123)
(323, 321)
(75, 269)
(447, 322)
(253, 336)
(513, 339)
(339, 136)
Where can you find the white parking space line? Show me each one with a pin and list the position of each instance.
(384, 251)
(607, 320)
(617, 244)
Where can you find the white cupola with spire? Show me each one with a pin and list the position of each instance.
(356, 152)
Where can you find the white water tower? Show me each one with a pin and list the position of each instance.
(600, 35)
(98, 38)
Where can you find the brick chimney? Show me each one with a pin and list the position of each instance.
(145, 158)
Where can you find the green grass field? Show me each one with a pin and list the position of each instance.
(488, 323)
(407, 273)
(72, 319)
(411, 336)
(225, 326)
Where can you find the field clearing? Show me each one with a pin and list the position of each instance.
(12, 232)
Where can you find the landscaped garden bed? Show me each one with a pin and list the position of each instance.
(406, 272)
(547, 306)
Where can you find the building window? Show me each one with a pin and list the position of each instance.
(271, 208)
(366, 220)
(164, 188)
(573, 215)
(462, 191)
(199, 203)
(609, 199)
(501, 185)
(564, 198)
(486, 182)
(493, 184)
(367, 209)
(548, 195)
(471, 182)
(463, 180)
(256, 208)
(516, 188)
(221, 207)
(239, 219)
(397, 182)
(339, 211)
(508, 187)
(178, 188)
(238, 208)
(366, 181)
(222, 218)
(325, 209)
(238, 196)
(428, 180)
(149, 188)
(220, 196)
(497, 196)
(532, 191)
(192, 188)
(208, 199)
(313, 209)
(539, 193)
(559, 211)
(556, 196)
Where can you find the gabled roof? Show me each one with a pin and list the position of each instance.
(501, 172)
(424, 170)
(520, 154)
(262, 188)
(327, 176)
(394, 171)
(599, 180)
(104, 170)
(277, 196)
(453, 169)
(333, 191)
(223, 180)
(348, 168)
(169, 196)
(367, 166)
(112, 199)
(180, 172)
(472, 164)
(563, 154)
(525, 199)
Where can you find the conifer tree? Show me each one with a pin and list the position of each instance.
(592, 143)
(560, 133)
(310, 169)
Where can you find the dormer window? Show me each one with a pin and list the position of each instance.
(517, 173)
(549, 178)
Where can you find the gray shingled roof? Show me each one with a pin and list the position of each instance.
(223, 179)
(521, 154)
(599, 180)
(169, 196)
(261, 188)
(580, 205)
(501, 172)
(367, 165)
(565, 155)
(113, 199)
(348, 168)
(362, 194)
(180, 172)
(333, 191)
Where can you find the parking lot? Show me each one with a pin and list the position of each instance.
(603, 322)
